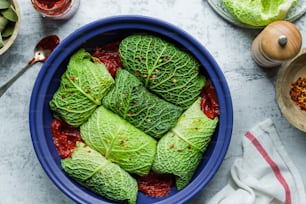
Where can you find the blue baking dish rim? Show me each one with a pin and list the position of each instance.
(39, 112)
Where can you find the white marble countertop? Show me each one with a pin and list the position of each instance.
(22, 179)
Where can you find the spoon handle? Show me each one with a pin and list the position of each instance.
(7, 84)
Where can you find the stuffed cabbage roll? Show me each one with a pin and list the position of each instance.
(119, 141)
(163, 68)
(180, 151)
(134, 103)
(92, 170)
(81, 90)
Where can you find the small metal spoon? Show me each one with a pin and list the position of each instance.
(41, 52)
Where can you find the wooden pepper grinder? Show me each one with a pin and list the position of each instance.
(278, 42)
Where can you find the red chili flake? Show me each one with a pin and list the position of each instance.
(179, 150)
(88, 91)
(167, 58)
(171, 146)
(72, 78)
(63, 96)
(155, 184)
(298, 92)
(140, 58)
(137, 73)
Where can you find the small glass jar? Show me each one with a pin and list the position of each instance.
(56, 9)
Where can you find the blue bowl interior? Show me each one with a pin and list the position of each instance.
(109, 30)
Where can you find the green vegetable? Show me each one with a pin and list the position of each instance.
(10, 14)
(119, 141)
(163, 68)
(81, 90)
(4, 4)
(92, 170)
(8, 31)
(180, 151)
(3, 23)
(259, 12)
(8, 19)
(134, 103)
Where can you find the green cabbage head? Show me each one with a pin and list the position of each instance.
(259, 12)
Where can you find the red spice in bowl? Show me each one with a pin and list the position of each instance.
(298, 92)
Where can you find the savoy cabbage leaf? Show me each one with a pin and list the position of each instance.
(119, 141)
(92, 170)
(180, 151)
(81, 90)
(169, 72)
(134, 103)
(259, 12)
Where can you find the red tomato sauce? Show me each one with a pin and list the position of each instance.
(109, 55)
(209, 102)
(48, 4)
(64, 137)
(156, 185)
(48, 43)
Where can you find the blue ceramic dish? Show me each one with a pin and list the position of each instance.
(101, 32)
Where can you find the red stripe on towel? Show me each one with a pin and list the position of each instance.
(272, 164)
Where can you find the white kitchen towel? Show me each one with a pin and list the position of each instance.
(265, 174)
